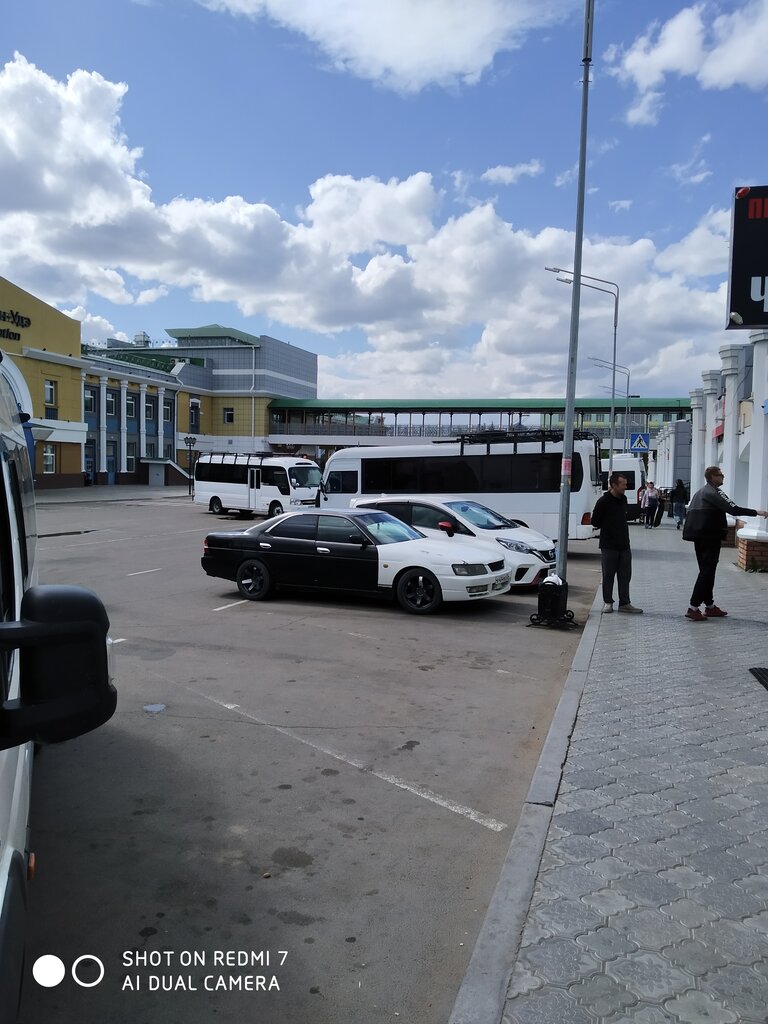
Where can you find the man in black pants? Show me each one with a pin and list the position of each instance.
(610, 518)
(705, 525)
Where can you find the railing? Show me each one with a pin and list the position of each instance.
(424, 430)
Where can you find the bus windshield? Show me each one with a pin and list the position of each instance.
(385, 529)
(304, 476)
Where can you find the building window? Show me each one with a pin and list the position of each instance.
(49, 458)
(168, 450)
(111, 405)
(149, 409)
(150, 450)
(229, 415)
(89, 400)
(194, 416)
(167, 412)
(130, 457)
(50, 398)
(130, 407)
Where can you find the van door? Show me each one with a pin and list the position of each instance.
(254, 480)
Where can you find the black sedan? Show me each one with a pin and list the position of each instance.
(355, 551)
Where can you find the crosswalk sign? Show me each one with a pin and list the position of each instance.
(639, 442)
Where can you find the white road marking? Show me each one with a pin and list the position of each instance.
(364, 636)
(143, 572)
(120, 641)
(422, 791)
(223, 607)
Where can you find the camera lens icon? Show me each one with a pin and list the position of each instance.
(49, 970)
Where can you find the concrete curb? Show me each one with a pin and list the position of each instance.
(482, 995)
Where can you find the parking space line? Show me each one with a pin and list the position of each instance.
(223, 607)
(421, 791)
(143, 572)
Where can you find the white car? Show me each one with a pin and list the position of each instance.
(357, 551)
(529, 554)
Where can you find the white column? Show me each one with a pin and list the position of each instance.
(697, 439)
(758, 442)
(160, 399)
(123, 426)
(711, 389)
(142, 421)
(102, 424)
(729, 354)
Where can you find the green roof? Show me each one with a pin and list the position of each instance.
(213, 331)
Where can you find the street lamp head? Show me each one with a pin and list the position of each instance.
(564, 280)
(556, 270)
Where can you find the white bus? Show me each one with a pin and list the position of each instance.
(515, 474)
(633, 468)
(255, 482)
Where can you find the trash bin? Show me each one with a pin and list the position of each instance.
(553, 598)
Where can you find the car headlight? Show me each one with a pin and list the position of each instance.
(470, 569)
(516, 545)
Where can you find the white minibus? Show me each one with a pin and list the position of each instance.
(516, 474)
(633, 468)
(255, 482)
(58, 688)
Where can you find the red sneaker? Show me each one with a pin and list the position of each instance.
(714, 612)
(695, 615)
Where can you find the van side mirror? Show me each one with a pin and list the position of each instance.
(446, 527)
(64, 679)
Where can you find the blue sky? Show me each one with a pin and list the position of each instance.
(384, 183)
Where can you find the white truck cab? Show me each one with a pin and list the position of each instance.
(54, 680)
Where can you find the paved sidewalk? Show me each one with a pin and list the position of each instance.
(69, 495)
(642, 895)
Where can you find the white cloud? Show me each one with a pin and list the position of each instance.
(511, 175)
(450, 306)
(406, 45)
(618, 205)
(727, 52)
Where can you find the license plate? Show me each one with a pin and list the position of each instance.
(501, 582)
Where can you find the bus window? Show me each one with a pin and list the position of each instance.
(276, 477)
(342, 481)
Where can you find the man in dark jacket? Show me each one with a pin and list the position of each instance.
(705, 525)
(610, 518)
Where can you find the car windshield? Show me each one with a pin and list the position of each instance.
(304, 476)
(385, 529)
(480, 516)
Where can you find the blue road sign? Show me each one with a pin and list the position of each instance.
(639, 442)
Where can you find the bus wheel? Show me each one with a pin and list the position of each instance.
(419, 592)
(275, 509)
(215, 505)
(254, 580)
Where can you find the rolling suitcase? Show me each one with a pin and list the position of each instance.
(659, 514)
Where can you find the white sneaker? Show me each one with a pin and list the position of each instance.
(607, 608)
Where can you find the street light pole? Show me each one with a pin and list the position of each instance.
(564, 280)
(190, 442)
(573, 347)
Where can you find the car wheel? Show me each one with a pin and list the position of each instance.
(419, 592)
(214, 505)
(254, 580)
(275, 509)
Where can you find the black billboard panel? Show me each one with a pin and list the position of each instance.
(748, 276)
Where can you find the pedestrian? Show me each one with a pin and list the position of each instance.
(679, 498)
(705, 525)
(610, 518)
(649, 504)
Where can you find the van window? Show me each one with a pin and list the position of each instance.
(342, 481)
(7, 580)
(276, 477)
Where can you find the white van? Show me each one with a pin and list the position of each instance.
(255, 482)
(54, 680)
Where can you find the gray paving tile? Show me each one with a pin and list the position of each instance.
(566, 917)
(602, 994)
(544, 1008)
(735, 939)
(695, 957)
(649, 976)
(650, 929)
(741, 990)
(607, 943)
(698, 1008)
(559, 961)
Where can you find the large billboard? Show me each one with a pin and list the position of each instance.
(748, 277)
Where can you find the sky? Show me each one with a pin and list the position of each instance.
(384, 183)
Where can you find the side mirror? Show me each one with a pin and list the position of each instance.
(358, 538)
(64, 679)
(446, 527)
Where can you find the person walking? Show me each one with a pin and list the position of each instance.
(649, 504)
(705, 525)
(610, 518)
(679, 498)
